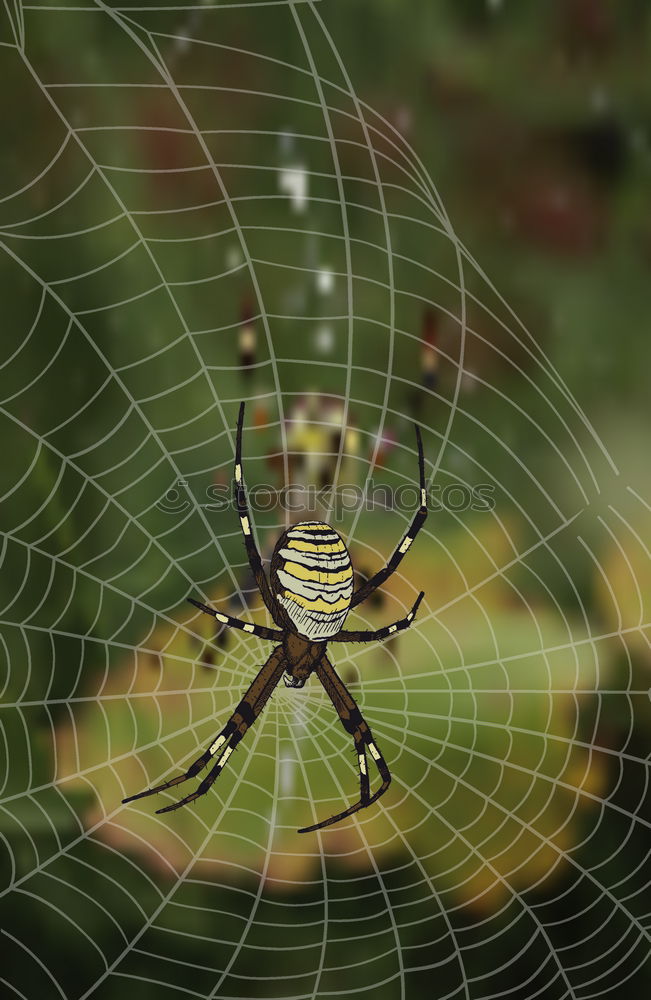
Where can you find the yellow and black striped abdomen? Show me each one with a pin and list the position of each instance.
(312, 577)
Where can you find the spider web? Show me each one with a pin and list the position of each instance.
(511, 847)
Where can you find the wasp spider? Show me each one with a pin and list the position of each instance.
(309, 596)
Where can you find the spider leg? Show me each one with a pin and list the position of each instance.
(354, 723)
(242, 719)
(261, 631)
(380, 633)
(205, 785)
(241, 503)
(417, 523)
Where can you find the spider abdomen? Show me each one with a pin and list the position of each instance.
(312, 576)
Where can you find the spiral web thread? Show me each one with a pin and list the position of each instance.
(485, 865)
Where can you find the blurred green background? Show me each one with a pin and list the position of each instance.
(352, 215)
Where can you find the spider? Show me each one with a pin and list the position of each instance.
(310, 594)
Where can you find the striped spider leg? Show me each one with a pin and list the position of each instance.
(375, 635)
(261, 631)
(353, 721)
(244, 514)
(417, 523)
(354, 724)
(222, 747)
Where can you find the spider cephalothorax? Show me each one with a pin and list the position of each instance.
(310, 595)
(300, 657)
